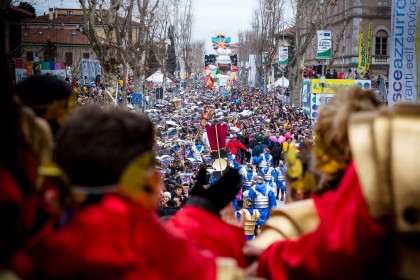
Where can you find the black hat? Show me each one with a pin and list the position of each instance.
(43, 90)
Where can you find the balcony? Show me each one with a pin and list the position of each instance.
(380, 59)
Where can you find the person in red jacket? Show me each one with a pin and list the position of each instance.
(114, 232)
(234, 145)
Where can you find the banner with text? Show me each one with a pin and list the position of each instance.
(283, 55)
(317, 99)
(324, 44)
(332, 85)
(405, 54)
(361, 62)
(369, 46)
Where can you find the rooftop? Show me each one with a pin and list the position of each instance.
(57, 36)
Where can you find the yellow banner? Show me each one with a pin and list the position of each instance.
(369, 46)
(331, 85)
(361, 68)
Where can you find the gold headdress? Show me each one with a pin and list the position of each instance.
(134, 178)
(325, 163)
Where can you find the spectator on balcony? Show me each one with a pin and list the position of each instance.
(334, 74)
(349, 75)
(328, 75)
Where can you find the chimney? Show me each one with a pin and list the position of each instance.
(56, 13)
(50, 13)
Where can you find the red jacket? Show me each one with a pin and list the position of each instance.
(234, 145)
(18, 208)
(210, 233)
(117, 239)
(346, 244)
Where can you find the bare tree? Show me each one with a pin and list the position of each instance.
(106, 47)
(184, 28)
(119, 32)
(309, 16)
(196, 58)
(139, 44)
(265, 23)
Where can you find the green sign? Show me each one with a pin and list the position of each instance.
(283, 55)
(324, 44)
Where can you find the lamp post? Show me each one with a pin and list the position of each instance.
(282, 68)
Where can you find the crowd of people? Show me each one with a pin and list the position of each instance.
(81, 191)
(334, 74)
(259, 124)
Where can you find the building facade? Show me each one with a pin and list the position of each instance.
(62, 28)
(345, 20)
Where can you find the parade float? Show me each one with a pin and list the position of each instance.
(221, 69)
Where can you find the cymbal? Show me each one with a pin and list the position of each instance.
(219, 164)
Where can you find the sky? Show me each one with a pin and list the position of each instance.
(227, 16)
(210, 17)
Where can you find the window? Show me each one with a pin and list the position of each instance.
(69, 13)
(85, 55)
(30, 56)
(381, 43)
(383, 3)
(69, 58)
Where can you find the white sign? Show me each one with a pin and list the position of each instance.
(283, 55)
(324, 44)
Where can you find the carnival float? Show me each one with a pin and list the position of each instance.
(221, 69)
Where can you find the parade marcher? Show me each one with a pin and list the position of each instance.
(117, 187)
(201, 221)
(371, 211)
(268, 174)
(196, 152)
(233, 161)
(249, 176)
(279, 179)
(263, 160)
(263, 199)
(251, 218)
